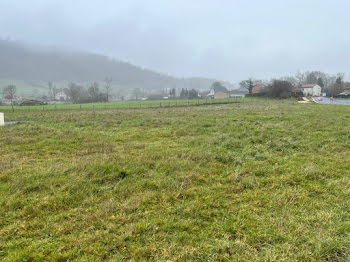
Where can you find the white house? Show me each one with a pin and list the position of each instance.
(61, 96)
(311, 90)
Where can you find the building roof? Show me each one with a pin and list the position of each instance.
(308, 86)
(258, 88)
(220, 89)
(204, 92)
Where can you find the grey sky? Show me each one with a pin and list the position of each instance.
(228, 40)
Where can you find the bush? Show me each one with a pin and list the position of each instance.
(280, 89)
(32, 102)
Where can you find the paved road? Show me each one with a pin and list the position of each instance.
(10, 123)
(328, 101)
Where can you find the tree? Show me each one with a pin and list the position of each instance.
(280, 89)
(94, 93)
(74, 92)
(248, 84)
(9, 92)
(339, 80)
(53, 90)
(184, 93)
(300, 78)
(172, 93)
(192, 94)
(50, 84)
(108, 85)
(217, 85)
(137, 93)
(311, 78)
(338, 86)
(188, 94)
(320, 82)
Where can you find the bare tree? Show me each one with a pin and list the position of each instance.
(311, 78)
(94, 92)
(75, 92)
(9, 92)
(248, 84)
(53, 90)
(137, 93)
(108, 85)
(320, 82)
(338, 86)
(300, 78)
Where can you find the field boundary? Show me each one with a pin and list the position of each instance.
(129, 105)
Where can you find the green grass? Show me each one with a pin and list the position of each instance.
(255, 181)
(127, 105)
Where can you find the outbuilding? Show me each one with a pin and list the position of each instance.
(219, 92)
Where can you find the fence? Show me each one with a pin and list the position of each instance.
(127, 105)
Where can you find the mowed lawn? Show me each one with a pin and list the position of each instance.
(259, 181)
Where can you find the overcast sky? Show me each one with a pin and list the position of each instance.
(228, 40)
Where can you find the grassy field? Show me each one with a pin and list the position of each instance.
(128, 104)
(255, 181)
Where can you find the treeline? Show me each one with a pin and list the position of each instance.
(189, 94)
(79, 94)
(289, 86)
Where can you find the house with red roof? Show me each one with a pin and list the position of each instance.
(258, 88)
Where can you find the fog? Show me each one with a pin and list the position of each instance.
(228, 40)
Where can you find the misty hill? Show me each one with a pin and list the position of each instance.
(39, 65)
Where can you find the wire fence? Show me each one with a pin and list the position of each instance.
(127, 105)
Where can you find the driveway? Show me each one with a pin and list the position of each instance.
(328, 101)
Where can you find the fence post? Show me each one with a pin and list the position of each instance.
(2, 119)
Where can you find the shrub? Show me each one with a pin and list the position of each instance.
(33, 102)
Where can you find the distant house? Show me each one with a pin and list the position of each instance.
(258, 89)
(311, 90)
(154, 97)
(235, 94)
(219, 92)
(61, 96)
(345, 93)
(204, 94)
(16, 99)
